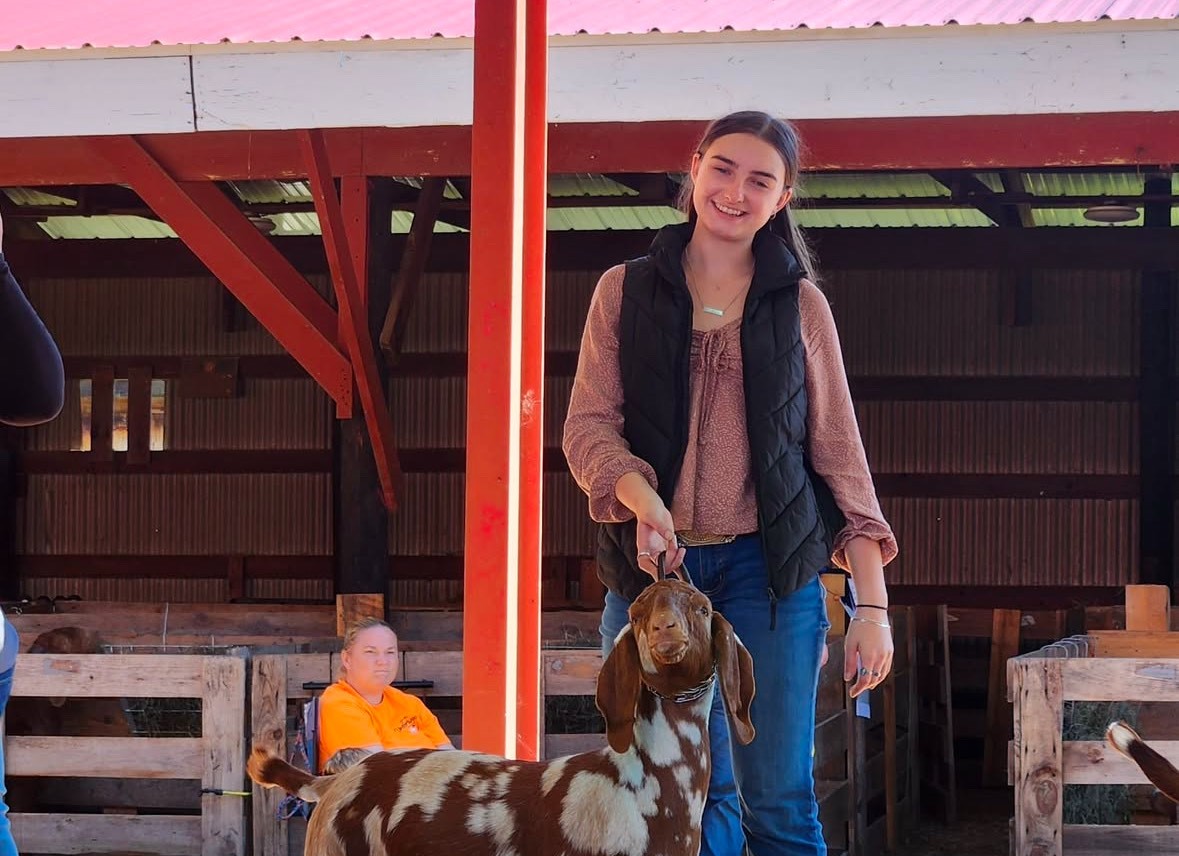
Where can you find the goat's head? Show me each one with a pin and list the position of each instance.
(66, 640)
(675, 643)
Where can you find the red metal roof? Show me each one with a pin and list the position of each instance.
(142, 23)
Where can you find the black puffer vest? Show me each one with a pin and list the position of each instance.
(655, 333)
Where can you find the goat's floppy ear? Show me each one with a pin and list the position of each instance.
(618, 691)
(735, 668)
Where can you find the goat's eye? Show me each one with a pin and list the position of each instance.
(704, 610)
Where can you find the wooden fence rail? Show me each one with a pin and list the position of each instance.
(1104, 666)
(216, 758)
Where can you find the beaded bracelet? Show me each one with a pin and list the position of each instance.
(883, 624)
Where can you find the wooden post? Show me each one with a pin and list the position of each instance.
(890, 761)
(268, 725)
(1156, 406)
(1005, 628)
(361, 518)
(529, 701)
(1039, 783)
(492, 537)
(102, 413)
(223, 735)
(835, 586)
(139, 414)
(857, 780)
(1148, 607)
(913, 778)
(350, 608)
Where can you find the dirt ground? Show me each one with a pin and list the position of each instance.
(981, 829)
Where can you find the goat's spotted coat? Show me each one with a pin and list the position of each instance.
(643, 795)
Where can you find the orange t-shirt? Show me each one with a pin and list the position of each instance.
(400, 721)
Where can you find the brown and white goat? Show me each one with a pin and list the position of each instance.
(644, 794)
(1158, 770)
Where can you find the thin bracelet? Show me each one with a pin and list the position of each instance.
(883, 624)
(870, 606)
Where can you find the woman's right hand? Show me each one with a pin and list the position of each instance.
(655, 534)
(655, 528)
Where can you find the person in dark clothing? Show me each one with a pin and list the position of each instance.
(710, 423)
(32, 391)
(32, 380)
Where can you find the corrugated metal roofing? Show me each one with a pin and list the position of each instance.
(54, 24)
(883, 198)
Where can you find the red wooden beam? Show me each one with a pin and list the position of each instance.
(492, 553)
(243, 259)
(353, 317)
(529, 709)
(943, 142)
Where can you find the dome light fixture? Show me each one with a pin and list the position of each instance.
(1112, 212)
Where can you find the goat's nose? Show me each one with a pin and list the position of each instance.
(664, 620)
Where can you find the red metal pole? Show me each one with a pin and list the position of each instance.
(492, 554)
(529, 704)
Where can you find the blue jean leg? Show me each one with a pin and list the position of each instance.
(721, 833)
(774, 773)
(7, 844)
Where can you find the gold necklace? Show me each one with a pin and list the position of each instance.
(689, 275)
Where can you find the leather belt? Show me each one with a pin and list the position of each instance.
(691, 538)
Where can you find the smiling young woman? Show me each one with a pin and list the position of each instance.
(710, 392)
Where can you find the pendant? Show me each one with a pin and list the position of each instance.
(712, 310)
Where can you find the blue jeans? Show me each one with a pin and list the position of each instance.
(761, 795)
(7, 845)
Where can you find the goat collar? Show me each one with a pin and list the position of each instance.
(690, 694)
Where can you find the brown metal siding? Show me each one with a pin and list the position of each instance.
(430, 519)
(135, 317)
(429, 413)
(1000, 437)
(920, 323)
(1014, 542)
(178, 515)
(949, 323)
(269, 414)
(438, 322)
(129, 590)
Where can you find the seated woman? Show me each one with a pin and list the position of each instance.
(361, 711)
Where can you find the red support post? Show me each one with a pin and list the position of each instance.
(242, 259)
(529, 692)
(353, 319)
(492, 554)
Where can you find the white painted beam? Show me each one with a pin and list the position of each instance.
(1013, 71)
(76, 97)
(946, 71)
(397, 87)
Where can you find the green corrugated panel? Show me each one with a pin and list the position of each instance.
(28, 196)
(449, 192)
(870, 185)
(269, 192)
(617, 219)
(587, 185)
(856, 218)
(992, 180)
(112, 226)
(1115, 184)
(402, 220)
